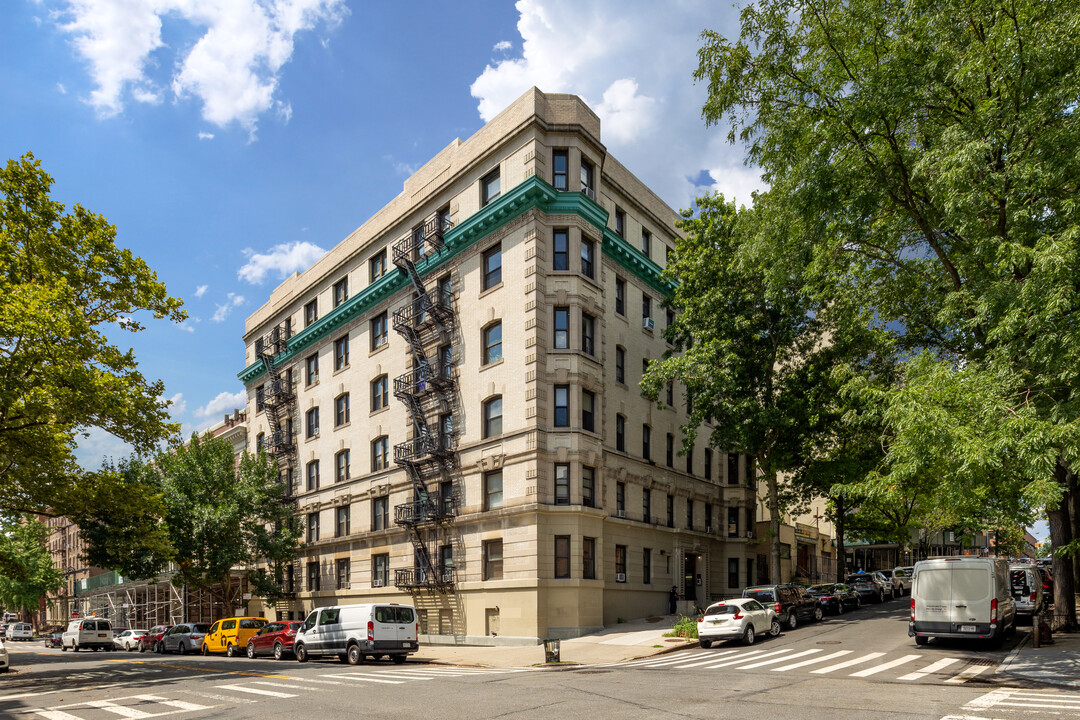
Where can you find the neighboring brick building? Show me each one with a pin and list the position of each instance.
(452, 394)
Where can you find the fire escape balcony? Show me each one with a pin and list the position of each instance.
(422, 448)
(422, 381)
(431, 307)
(279, 391)
(432, 510)
(421, 241)
(417, 578)
(280, 443)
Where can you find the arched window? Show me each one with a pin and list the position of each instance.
(492, 343)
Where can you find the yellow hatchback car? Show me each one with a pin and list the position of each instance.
(231, 635)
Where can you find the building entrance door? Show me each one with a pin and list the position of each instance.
(689, 579)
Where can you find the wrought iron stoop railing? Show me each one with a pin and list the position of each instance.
(427, 391)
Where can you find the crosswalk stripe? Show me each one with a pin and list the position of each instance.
(670, 661)
(885, 666)
(758, 655)
(121, 710)
(55, 715)
(931, 668)
(847, 663)
(178, 704)
(773, 661)
(321, 682)
(277, 685)
(223, 698)
(255, 691)
(813, 661)
(695, 660)
(964, 675)
(366, 678)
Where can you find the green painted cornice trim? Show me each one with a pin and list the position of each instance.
(532, 193)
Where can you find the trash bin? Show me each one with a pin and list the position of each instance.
(551, 651)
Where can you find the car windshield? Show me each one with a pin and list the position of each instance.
(201, 627)
(859, 578)
(820, 589)
(722, 610)
(763, 595)
(251, 624)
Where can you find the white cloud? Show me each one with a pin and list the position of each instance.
(283, 259)
(206, 136)
(187, 328)
(633, 62)
(61, 89)
(232, 300)
(502, 46)
(177, 404)
(98, 445)
(224, 402)
(232, 69)
(201, 289)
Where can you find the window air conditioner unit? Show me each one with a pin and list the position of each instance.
(647, 323)
(376, 583)
(620, 577)
(708, 529)
(620, 513)
(749, 533)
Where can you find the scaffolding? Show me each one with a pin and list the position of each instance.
(149, 603)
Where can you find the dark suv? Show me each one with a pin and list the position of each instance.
(791, 602)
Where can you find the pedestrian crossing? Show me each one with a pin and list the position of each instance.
(1050, 702)
(906, 668)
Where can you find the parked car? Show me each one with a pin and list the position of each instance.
(962, 597)
(152, 637)
(129, 639)
(869, 587)
(183, 638)
(54, 640)
(790, 602)
(231, 635)
(1026, 586)
(5, 661)
(88, 633)
(900, 578)
(275, 639)
(20, 631)
(737, 619)
(836, 598)
(1047, 583)
(353, 631)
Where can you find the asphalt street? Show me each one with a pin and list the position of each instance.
(857, 665)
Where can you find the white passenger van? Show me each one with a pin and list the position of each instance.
(88, 633)
(962, 597)
(350, 632)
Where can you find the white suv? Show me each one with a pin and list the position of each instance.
(901, 579)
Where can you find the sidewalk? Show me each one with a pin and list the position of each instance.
(1058, 664)
(625, 641)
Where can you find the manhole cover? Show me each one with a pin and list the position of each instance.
(982, 661)
(829, 642)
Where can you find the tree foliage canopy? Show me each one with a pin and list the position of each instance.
(27, 574)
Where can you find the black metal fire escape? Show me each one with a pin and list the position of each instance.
(427, 390)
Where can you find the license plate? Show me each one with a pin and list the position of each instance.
(101, 634)
(967, 628)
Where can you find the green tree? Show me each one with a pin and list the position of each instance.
(63, 282)
(28, 574)
(931, 154)
(224, 516)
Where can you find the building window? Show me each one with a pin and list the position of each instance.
(343, 574)
(341, 465)
(562, 328)
(670, 394)
(749, 571)
(446, 361)
(587, 268)
(341, 291)
(620, 433)
(751, 471)
(260, 442)
(708, 464)
(732, 469)
(689, 513)
(560, 169)
(341, 352)
(620, 222)
(493, 560)
(562, 406)
(312, 422)
(380, 513)
(587, 186)
(312, 367)
(377, 265)
(669, 319)
(260, 398)
(690, 460)
(379, 331)
(646, 307)
(561, 256)
(733, 522)
(620, 563)
(492, 343)
(380, 570)
(562, 556)
(493, 490)
(588, 334)
(620, 364)
(588, 410)
(380, 397)
(620, 499)
(646, 566)
(312, 527)
(343, 520)
(313, 576)
(489, 187)
(733, 572)
(588, 558)
(493, 417)
(380, 453)
(670, 511)
(588, 486)
(646, 242)
(341, 410)
(562, 484)
(646, 505)
(620, 296)
(750, 521)
(311, 312)
(708, 517)
(446, 561)
(446, 431)
(313, 475)
(646, 441)
(492, 267)
(670, 454)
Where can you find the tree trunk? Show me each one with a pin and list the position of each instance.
(774, 526)
(1060, 536)
(841, 552)
(1074, 518)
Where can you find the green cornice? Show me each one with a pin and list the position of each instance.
(532, 193)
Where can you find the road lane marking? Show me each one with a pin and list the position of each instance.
(931, 668)
(212, 696)
(278, 685)
(179, 704)
(964, 675)
(847, 663)
(1025, 699)
(201, 669)
(121, 710)
(254, 691)
(773, 661)
(814, 661)
(55, 715)
(366, 678)
(757, 655)
(884, 666)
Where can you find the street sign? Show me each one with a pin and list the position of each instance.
(75, 614)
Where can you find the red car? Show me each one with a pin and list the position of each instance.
(149, 641)
(275, 639)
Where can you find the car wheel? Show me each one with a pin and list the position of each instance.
(183, 648)
(840, 608)
(63, 648)
(251, 651)
(881, 596)
(774, 627)
(142, 648)
(230, 650)
(355, 658)
(817, 613)
(748, 635)
(921, 640)
(399, 659)
(96, 648)
(706, 644)
(858, 603)
(301, 652)
(279, 651)
(792, 621)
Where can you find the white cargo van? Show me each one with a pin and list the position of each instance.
(350, 632)
(89, 633)
(962, 597)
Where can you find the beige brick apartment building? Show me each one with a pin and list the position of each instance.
(452, 394)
